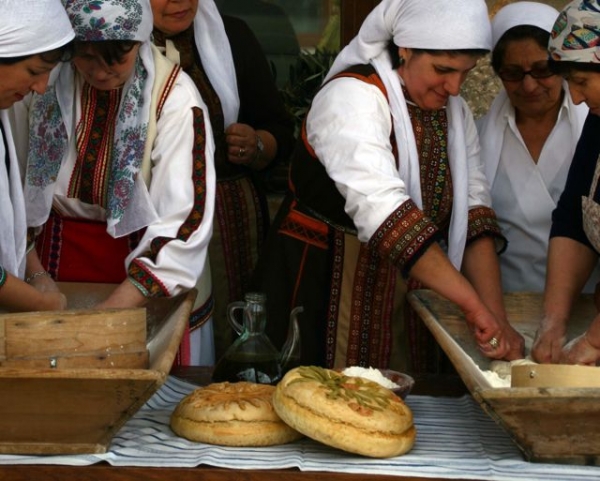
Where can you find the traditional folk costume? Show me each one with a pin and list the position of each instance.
(229, 69)
(18, 39)
(524, 193)
(375, 182)
(121, 182)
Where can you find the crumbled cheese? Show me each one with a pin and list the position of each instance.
(371, 374)
(499, 374)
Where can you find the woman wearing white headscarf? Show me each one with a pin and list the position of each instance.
(120, 177)
(34, 37)
(574, 244)
(387, 176)
(527, 141)
(252, 128)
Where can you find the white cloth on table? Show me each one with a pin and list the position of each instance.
(455, 440)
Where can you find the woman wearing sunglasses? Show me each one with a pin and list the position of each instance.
(528, 139)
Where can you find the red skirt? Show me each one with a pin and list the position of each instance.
(79, 250)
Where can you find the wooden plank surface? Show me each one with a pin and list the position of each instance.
(103, 337)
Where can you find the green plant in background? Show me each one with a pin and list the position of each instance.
(305, 78)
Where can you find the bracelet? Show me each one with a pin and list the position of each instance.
(260, 147)
(35, 275)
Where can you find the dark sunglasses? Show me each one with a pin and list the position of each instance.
(516, 74)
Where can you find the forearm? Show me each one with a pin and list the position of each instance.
(18, 296)
(436, 272)
(481, 268)
(126, 295)
(570, 264)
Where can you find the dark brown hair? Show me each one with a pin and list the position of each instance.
(520, 32)
(393, 51)
(111, 51)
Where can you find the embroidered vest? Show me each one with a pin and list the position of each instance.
(315, 192)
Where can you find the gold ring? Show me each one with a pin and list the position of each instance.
(241, 152)
(494, 342)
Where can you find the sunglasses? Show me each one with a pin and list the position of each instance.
(540, 70)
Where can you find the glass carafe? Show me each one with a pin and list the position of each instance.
(252, 357)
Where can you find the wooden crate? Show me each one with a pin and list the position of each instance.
(69, 380)
(556, 425)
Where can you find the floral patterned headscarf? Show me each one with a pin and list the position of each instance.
(52, 120)
(575, 36)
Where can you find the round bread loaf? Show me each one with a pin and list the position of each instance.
(349, 413)
(231, 414)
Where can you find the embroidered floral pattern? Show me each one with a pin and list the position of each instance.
(47, 140)
(99, 20)
(483, 222)
(404, 235)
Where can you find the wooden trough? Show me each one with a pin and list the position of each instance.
(69, 380)
(549, 424)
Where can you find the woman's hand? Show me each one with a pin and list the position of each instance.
(254, 149)
(580, 351)
(44, 283)
(549, 341)
(51, 297)
(242, 144)
(52, 301)
(496, 340)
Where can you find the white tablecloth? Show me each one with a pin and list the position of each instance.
(455, 439)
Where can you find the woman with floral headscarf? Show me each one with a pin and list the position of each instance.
(388, 193)
(575, 235)
(34, 36)
(120, 177)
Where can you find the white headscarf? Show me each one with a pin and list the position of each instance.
(424, 24)
(28, 27)
(52, 122)
(215, 53)
(522, 13)
(13, 228)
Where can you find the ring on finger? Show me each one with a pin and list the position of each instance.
(494, 342)
(241, 152)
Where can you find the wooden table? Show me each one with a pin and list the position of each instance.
(433, 385)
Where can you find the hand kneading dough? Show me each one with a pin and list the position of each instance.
(231, 414)
(349, 413)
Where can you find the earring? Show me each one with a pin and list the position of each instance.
(400, 61)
